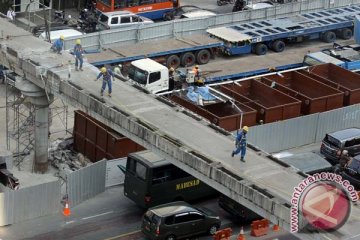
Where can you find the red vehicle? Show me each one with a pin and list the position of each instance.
(153, 9)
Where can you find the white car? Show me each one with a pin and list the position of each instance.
(65, 32)
(117, 19)
(259, 5)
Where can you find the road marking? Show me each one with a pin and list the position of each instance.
(353, 237)
(123, 235)
(66, 223)
(101, 214)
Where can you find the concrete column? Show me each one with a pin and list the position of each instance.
(41, 102)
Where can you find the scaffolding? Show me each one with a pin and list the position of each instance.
(20, 122)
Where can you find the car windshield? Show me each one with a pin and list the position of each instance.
(333, 141)
(103, 18)
(137, 75)
(354, 166)
(152, 218)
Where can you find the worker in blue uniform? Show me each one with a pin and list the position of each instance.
(78, 53)
(240, 143)
(58, 45)
(107, 75)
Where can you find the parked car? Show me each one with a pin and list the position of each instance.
(351, 172)
(242, 213)
(64, 32)
(178, 220)
(334, 143)
(259, 5)
(118, 19)
(187, 11)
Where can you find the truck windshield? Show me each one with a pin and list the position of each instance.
(137, 75)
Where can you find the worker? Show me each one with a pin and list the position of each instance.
(11, 14)
(58, 45)
(171, 79)
(107, 75)
(344, 158)
(240, 143)
(118, 70)
(196, 71)
(78, 53)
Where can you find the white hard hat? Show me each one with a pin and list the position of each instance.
(120, 65)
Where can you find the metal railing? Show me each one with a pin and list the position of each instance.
(179, 28)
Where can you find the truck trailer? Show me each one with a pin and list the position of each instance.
(254, 37)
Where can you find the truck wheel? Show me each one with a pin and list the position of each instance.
(203, 56)
(187, 59)
(173, 61)
(346, 33)
(278, 46)
(329, 37)
(261, 49)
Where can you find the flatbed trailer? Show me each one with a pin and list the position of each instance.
(259, 36)
(174, 52)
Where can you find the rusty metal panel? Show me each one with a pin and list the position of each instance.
(271, 104)
(90, 150)
(101, 138)
(339, 78)
(91, 129)
(314, 95)
(100, 154)
(79, 143)
(80, 123)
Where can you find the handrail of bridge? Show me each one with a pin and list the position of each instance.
(182, 27)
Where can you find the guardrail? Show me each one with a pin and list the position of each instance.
(179, 28)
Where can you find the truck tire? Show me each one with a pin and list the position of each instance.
(278, 46)
(345, 33)
(173, 61)
(329, 37)
(203, 56)
(187, 59)
(260, 49)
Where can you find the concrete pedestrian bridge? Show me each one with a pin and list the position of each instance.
(261, 184)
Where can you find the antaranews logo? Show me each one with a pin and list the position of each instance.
(323, 200)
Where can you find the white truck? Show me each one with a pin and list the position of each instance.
(154, 77)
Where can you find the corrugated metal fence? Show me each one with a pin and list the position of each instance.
(182, 27)
(29, 202)
(86, 183)
(303, 130)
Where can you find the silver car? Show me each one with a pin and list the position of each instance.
(118, 19)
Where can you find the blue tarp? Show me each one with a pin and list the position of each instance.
(193, 94)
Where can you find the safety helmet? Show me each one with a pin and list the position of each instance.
(345, 152)
(171, 69)
(78, 41)
(120, 66)
(196, 66)
(246, 128)
(103, 69)
(62, 37)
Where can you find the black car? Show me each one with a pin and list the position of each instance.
(334, 143)
(181, 12)
(351, 172)
(178, 220)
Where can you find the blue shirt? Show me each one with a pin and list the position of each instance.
(58, 44)
(78, 51)
(241, 138)
(107, 76)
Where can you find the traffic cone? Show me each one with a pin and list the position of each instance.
(276, 228)
(241, 235)
(66, 210)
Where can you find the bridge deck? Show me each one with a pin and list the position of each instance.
(259, 170)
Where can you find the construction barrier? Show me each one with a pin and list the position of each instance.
(259, 227)
(66, 210)
(241, 235)
(223, 234)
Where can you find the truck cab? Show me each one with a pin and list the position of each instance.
(150, 75)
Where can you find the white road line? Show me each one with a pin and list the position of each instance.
(101, 214)
(353, 237)
(69, 222)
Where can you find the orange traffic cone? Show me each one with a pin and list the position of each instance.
(276, 228)
(241, 235)
(66, 210)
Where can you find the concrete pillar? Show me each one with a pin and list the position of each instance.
(41, 102)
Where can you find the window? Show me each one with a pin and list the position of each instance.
(167, 173)
(125, 20)
(169, 220)
(131, 165)
(194, 216)
(103, 18)
(115, 20)
(140, 171)
(181, 218)
(136, 19)
(154, 77)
